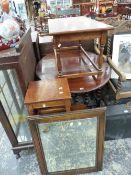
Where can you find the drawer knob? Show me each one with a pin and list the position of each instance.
(44, 105)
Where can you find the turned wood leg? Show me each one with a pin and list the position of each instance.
(59, 66)
(57, 47)
(102, 44)
(67, 105)
(100, 61)
(119, 84)
(80, 58)
(98, 97)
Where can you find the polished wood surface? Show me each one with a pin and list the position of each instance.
(47, 70)
(48, 93)
(75, 25)
(48, 90)
(85, 65)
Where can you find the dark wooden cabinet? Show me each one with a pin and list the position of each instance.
(22, 59)
(17, 69)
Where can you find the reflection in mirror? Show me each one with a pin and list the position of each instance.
(13, 103)
(69, 145)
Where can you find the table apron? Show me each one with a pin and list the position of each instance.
(79, 36)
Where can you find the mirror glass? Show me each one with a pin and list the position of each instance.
(70, 144)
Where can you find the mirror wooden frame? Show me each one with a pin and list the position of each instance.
(98, 113)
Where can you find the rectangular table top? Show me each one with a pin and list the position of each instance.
(47, 90)
(75, 25)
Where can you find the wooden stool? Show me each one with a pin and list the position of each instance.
(48, 94)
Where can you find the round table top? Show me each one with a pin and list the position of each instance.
(46, 69)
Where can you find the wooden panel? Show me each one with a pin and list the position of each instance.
(27, 60)
(48, 104)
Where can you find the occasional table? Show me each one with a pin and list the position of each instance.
(78, 29)
(48, 94)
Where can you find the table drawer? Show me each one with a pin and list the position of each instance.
(48, 104)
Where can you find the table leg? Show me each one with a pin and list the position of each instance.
(80, 58)
(59, 66)
(101, 59)
(102, 45)
(57, 47)
(98, 96)
(30, 110)
(67, 105)
(41, 24)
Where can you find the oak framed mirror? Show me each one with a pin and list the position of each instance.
(69, 143)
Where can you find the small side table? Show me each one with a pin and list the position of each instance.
(78, 29)
(48, 94)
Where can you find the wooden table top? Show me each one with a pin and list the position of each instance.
(75, 25)
(47, 90)
(46, 70)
